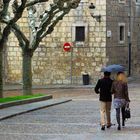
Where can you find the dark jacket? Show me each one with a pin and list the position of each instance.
(103, 87)
(120, 90)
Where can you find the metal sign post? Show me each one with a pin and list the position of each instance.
(68, 48)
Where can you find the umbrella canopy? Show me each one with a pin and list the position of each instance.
(113, 68)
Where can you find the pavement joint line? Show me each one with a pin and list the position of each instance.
(90, 86)
(37, 108)
(44, 124)
(19, 87)
(66, 134)
(84, 99)
(42, 134)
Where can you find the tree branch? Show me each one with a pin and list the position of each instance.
(20, 39)
(11, 22)
(52, 18)
(4, 10)
(32, 19)
(5, 35)
(31, 3)
(19, 33)
(46, 20)
(19, 10)
(59, 4)
(49, 31)
(51, 27)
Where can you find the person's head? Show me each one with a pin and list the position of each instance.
(106, 73)
(121, 77)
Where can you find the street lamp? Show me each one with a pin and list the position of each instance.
(92, 9)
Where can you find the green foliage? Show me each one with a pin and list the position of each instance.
(16, 98)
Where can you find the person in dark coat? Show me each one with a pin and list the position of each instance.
(103, 88)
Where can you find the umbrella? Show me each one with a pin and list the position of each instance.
(113, 68)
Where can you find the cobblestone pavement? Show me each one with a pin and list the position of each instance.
(75, 120)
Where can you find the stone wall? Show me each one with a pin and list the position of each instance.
(51, 64)
(117, 52)
(136, 41)
(117, 13)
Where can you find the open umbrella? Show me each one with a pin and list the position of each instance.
(113, 68)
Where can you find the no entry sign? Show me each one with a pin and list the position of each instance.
(67, 47)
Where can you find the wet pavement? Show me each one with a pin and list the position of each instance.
(78, 119)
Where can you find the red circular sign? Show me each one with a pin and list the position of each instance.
(67, 46)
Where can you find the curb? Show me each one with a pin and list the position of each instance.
(18, 87)
(33, 109)
(25, 101)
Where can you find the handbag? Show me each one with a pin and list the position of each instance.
(127, 113)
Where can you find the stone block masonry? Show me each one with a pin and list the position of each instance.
(50, 63)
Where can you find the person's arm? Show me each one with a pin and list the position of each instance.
(112, 88)
(97, 87)
(126, 92)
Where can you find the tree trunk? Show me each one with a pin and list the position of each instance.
(27, 72)
(1, 72)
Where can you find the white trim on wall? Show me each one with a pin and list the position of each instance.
(122, 1)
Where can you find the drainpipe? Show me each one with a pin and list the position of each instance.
(129, 40)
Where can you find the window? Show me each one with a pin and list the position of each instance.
(121, 32)
(137, 8)
(80, 33)
(137, 1)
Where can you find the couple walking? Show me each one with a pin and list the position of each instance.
(106, 87)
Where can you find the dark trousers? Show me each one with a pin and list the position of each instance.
(118, 115)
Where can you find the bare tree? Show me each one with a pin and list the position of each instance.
(5, 29)
(47, 21)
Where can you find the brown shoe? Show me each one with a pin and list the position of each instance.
(108, 126)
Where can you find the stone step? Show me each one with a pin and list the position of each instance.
(20, 109)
